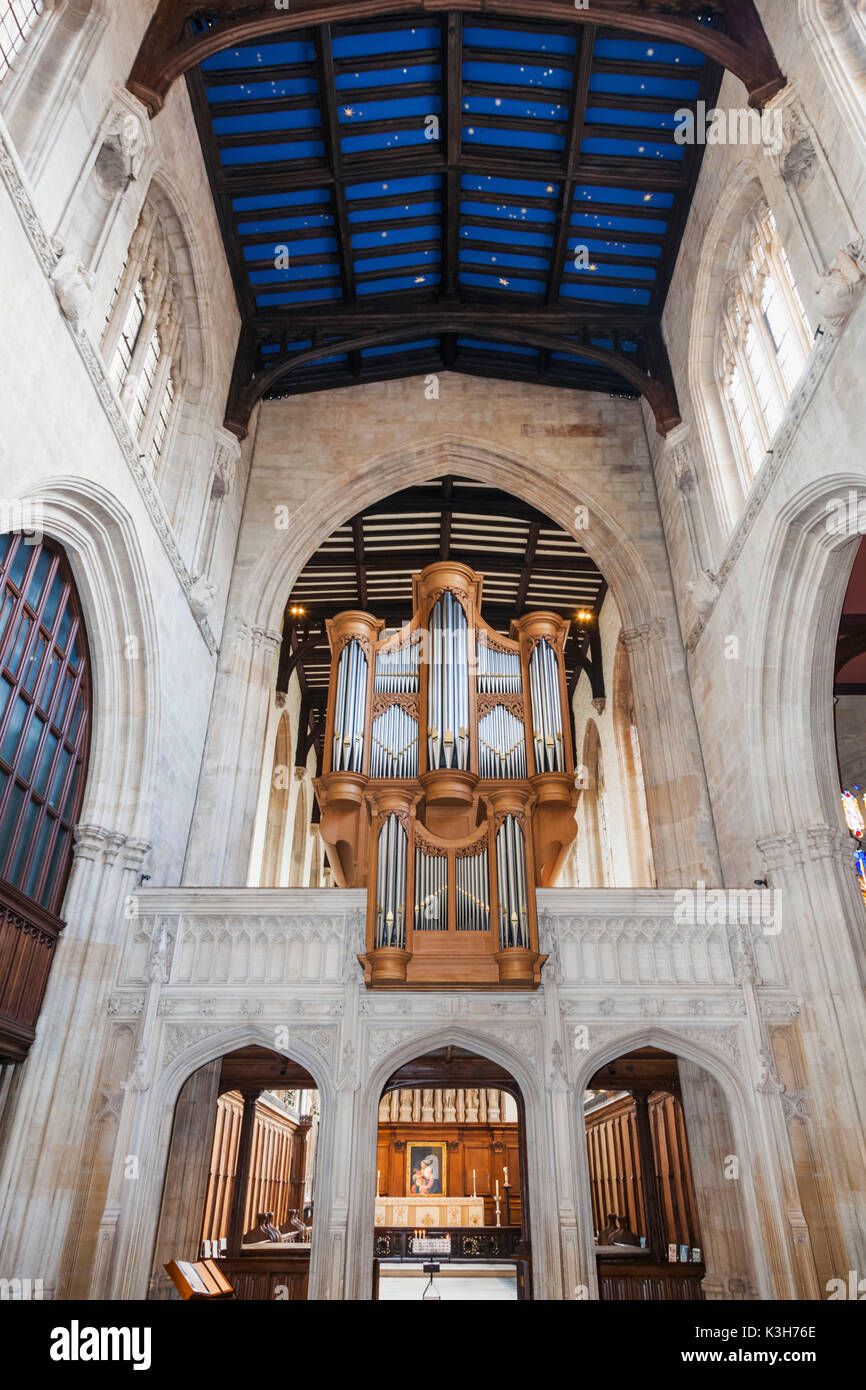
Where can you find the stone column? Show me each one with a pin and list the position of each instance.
(221, 838)
(41, 1178)
(821, 943)
(681, 826)
(724, 1225)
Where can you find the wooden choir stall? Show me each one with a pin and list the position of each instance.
(640, 1172)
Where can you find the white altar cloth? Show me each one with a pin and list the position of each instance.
(429, 1211)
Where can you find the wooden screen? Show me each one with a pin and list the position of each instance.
(617, 1182)
(44, 717)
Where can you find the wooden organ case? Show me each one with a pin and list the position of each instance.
(433, 796)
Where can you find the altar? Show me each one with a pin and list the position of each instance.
(430, 1211)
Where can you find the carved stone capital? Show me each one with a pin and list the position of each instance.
(135, 853)
(780, 852)
(264, 638)
(90, 841)
(828, 842)
(639, 638)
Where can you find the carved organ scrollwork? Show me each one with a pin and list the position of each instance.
(448, 788)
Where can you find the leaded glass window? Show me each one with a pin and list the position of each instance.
(44, 717)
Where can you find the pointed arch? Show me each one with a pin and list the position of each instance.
(728, 1076)
(137, 1223)
(488, 1043)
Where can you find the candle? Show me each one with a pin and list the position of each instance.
(497, 1187)
(474, 1193)
(505, 1171)
(377, 1183)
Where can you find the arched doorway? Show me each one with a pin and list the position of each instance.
(669, 1217)
(240, 1177)
(451, 1186)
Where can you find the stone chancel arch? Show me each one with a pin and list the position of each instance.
(265, 577)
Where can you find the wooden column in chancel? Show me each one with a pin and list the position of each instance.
(298, 1174)
(242, 1173)
(651, 1204)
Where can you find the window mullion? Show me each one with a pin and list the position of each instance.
(154, 405)
(748, 380)
(129, 392)
(139, 250)
(770, 352)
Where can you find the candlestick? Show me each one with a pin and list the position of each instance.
(498, 1222)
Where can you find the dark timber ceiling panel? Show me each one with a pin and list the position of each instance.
(403, 195)
(527, 562)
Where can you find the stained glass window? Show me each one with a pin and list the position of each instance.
(44, 717)
(853, 814)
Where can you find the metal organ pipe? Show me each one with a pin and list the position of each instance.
(511, 880)
(473, 908)
(431, 891)
(546, 708)
(501, 745)
(394, 744)
(397, 668)
(351, 711)
(448, 686)
(498, 671)
(391, 884)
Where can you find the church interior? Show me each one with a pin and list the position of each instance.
(433, 651)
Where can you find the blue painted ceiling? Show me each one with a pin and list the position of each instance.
(347, 182)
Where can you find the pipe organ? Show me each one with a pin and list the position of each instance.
(448, 788)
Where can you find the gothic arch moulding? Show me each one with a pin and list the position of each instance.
(518, 1049)
(137, 1223)
(791, 662)
(271, 579)
(102, 545)
(179, 227)
(741, 193)
(720, 1059)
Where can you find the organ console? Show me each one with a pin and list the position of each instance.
(448, 787)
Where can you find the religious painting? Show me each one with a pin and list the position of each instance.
(426, 1170)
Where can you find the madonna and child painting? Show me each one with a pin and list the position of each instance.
(425, 1170)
